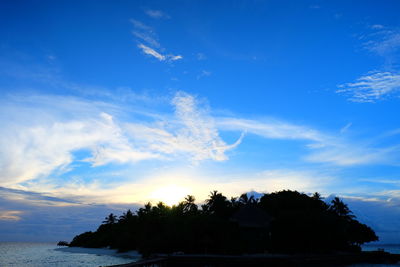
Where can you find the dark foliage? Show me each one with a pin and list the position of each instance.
(62, 243)
(285, 221)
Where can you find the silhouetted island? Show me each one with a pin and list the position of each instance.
(279, 222)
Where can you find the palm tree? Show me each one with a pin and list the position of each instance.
(217, 204)
(245, 199)
(110, 219)
(145, 210)
(126, 216)
(317, 196)
(341, 209)
(188, 204)
(318, 202)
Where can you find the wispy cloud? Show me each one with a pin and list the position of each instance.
(46, 137)
(272, 129)
(31, 149)
(378, 84)
(203, 73)
(199, 131)
(383, 41)
(35, 149)
(146, 34)
(36, 220)
(174, 57)
(141, 26)
(347, 154)
(150, 51)
(323, 147)
(10, 215)
(377, 27)
(346, 127)
(201, 56)
(156, 14)
(372, 87)
(146, 38)
(35, 198)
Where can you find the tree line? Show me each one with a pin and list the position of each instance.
(285, 221)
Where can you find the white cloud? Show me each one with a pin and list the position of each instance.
(383, 42)
(377, 85)
(38, 147)
(199, 133)
(46, 136)
(32, 151)
(174, 57)
(156, 14)
(148, 35)
(147, 38)
(346, 154)
(145, 33)
(150, 51)
(324, 148)
(141, 26)
(372, 87)
(272, 129)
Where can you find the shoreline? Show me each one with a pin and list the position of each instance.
(270, 260)
(100, 251)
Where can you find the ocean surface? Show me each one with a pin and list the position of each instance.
(17, 254)
(46, 254)
(388, 248)
(395, 249)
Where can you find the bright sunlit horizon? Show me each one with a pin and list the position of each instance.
(170, 194)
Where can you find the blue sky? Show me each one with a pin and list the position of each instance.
(107, 104)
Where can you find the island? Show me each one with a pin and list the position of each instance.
(284, 227)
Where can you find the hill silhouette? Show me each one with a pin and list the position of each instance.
(285, 221)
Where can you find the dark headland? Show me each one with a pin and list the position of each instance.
(284, 228)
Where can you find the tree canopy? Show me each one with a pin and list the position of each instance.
(292, 222)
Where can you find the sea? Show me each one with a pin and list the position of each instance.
(18, 254)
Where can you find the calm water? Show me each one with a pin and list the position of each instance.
(46, 255)
(395, 249)
(388, 248)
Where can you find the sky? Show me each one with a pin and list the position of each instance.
(105, 105)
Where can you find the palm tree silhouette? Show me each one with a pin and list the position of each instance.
(110, 219)
(216, 204)
(188, 204)
(126, 216)
(341, 209)
(245, 199)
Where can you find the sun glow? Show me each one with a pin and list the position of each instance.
(170, 194)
